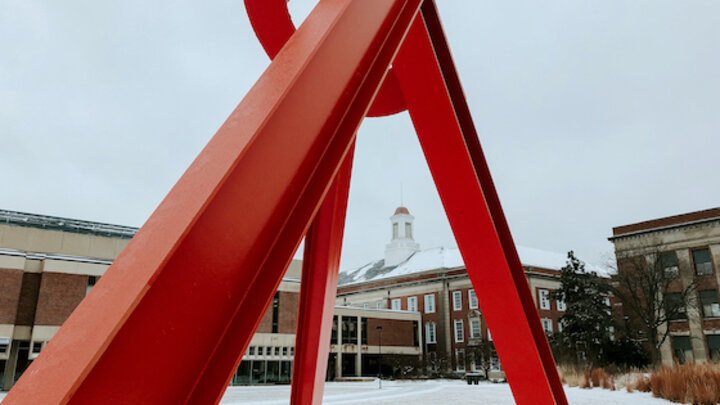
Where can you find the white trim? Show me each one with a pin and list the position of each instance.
(459, 331)
(457, 300)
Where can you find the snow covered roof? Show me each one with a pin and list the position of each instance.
(449, 258)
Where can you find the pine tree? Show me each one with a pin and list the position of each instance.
(587, 321)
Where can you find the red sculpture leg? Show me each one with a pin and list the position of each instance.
(502, 299)
(452, 81)
(318, 290)
(159, 326)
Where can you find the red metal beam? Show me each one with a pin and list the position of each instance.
(318, 289)
(159, 326)
(503, 298)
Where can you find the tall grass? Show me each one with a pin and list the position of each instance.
(689, 383)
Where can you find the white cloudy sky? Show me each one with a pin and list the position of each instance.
(592, 114)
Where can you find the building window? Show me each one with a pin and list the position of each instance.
(396, 305)
(472, 299)
(366, 306)
(701, 259)
(713, 342)
(670, 265)
(334, 333)
(459, 331)
(363, 331)
(284, 351)
(37, 347)
(408, 230)
(457, 300)
(430, 332)
(395, 230)
(682, 348)
(92, 280)
(349, 330)
(560, 325)
(560, 305)
(251, 351)
(4, 343)
(412, 304)
(544, 298)
(674, 307)
(429, 303)
(475, 329)
(547, 325)
(379, 305)
(709, 300)
(277, 350)
(607, 304)
(460, 360)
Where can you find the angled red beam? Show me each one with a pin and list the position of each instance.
(462, 111)
(157, 326)
(441, 136)
(318, 289)
(228, 353)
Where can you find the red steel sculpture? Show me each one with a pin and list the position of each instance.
(169, 321)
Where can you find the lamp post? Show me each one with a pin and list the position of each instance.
(379, 329)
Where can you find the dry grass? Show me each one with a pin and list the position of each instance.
(693, 383)
(576, 377)
(571, 376)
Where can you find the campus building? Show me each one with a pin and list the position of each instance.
(435, 283)
(688, 246)
(48, 264)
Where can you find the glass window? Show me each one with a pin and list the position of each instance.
(429, 303)
(547, 325)
(701, 258)
(670, 264)
(273, 372)
(412, 304)
(333, 334)
(37, 347)
(92, 280)
(474, 329)
(379, 305)
(277, 351)
(459, 331)
(251, 351)
(682, 348)
(472, 299)
(430, 335)
(457, 300)
(460, 359)
(396, 304)
(709, 300)
(285, 371)
(713, 342)
(674, 307)
(366, 305)
(349, 330)
(363, 331)
(544, 298)
(257, 375)
(408, 230)
(395, 230)
(4, 343)
(284, 351)
(560, 305)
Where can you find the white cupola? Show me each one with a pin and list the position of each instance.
(402, 245)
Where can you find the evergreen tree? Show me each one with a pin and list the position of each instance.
(587, 321)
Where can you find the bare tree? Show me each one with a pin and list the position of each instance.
(652, 294)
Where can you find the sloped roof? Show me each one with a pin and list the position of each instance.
(449, 258)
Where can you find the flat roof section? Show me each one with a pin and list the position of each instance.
(667, 222)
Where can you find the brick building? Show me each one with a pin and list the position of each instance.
(688, 246)
(48, 264)
(435, 283)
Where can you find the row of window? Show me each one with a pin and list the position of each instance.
(271, 351)
(457, 300)
(683, 348)
(701, 262)
(412, 303)
(460, 329)
(474, 365)
(710, 308)
(544, 300)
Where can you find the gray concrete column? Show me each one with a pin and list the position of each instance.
(358, 359)
(715, 256)
(11, 365)
(697, 337)
(444, 308)
(338, 362)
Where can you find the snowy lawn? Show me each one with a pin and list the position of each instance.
(427, 392)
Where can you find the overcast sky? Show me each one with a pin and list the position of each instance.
(593, 114)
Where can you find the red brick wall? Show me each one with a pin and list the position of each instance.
(462, 315)
(395, 332)
(551, 313)
(10, 281)
(287, 316)
(59, 295)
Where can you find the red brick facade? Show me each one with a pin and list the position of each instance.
(59, 295)
(11, 282)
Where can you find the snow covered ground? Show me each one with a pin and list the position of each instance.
(424, 392)
(427, 392)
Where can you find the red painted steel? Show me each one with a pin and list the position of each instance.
(452, 81)
(502, 299)
(273, 26)
(157, 325)
(318, 289)
(169, 321)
